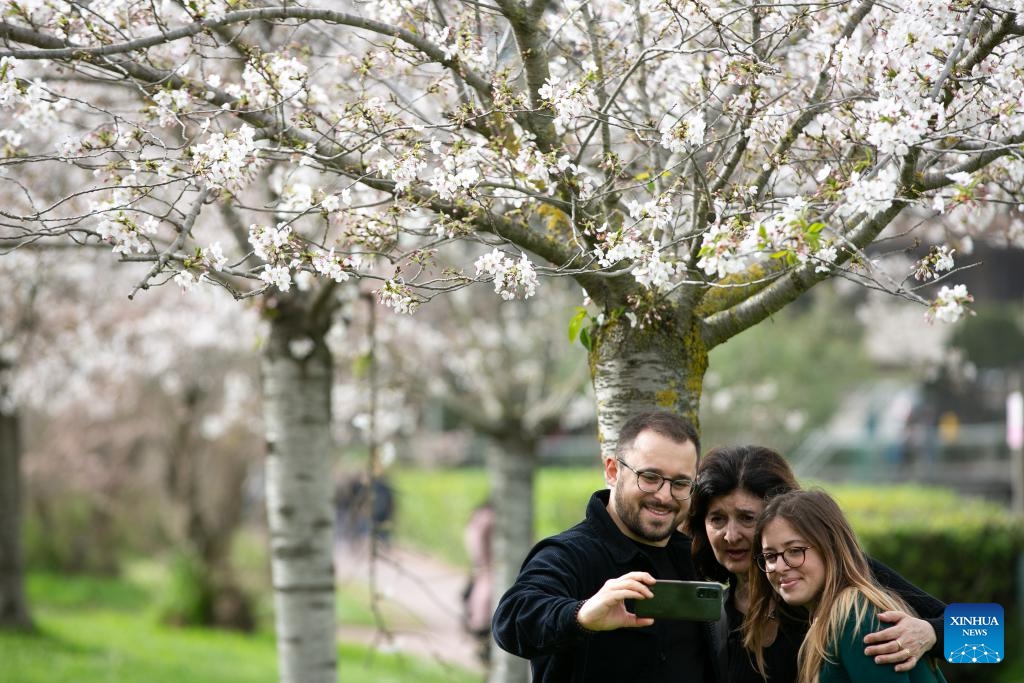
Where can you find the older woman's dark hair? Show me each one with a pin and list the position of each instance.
(757, 470)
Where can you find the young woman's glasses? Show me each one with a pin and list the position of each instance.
(793, 557)
(651, 482)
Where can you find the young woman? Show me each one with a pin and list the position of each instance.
(729, 495)
(809, 557)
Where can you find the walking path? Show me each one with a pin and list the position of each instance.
(420, 604)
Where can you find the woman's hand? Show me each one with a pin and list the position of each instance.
(903, 643)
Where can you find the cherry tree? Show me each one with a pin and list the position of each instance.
(506, 373)
(109, 374)
(694, 166)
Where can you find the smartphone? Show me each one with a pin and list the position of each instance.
(690, 600)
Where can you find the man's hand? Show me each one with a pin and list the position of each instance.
(903, 643)
(605, 611)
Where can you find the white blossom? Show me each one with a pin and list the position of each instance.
(274, 79)
(962, 178)
(950, 305)
(9, 92)
(655, 271)
(938, 260)
(225, 160)
(186, 279)
(296, 197)
(624, 244)
(826, 256)
(214, 256)
(169, 103)
(570, 100)
(685, 134)
(397, 296)
(304, 281)
(329, 265)
(269, 243)
(511, 278)
(870, 196)
(277, 276)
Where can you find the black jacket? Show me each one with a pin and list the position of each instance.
(536, 618)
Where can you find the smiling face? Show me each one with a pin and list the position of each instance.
(797, 586)
(730, 526)
(650, 517)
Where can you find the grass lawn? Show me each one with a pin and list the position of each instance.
(99, 630)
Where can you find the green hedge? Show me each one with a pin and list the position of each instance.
(958, 549)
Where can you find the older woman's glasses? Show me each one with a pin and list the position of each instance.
(793, 557)
(651, 482)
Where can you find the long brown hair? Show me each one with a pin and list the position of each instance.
(849, 586)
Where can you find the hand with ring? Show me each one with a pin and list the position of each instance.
(903, 643)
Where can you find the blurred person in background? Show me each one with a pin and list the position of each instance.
(477, 602)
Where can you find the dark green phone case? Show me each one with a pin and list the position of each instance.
(690, 600)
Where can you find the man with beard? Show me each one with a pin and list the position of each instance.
(567, 610)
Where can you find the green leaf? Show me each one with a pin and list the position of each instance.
(576, 323)
(361, 364)
(585, 338)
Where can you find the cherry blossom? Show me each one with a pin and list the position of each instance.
(950, 304)
(693, 167)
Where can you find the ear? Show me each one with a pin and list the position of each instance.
(611, 471)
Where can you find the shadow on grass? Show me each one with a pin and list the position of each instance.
(83, 592)
(44, 639)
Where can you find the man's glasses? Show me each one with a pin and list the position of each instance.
(793, 557)
(651, 482)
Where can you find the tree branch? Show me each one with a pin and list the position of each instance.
(178, 243)
(723, 325)
(53, 48)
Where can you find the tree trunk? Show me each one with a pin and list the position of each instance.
(13, 605)
(512, 464)
(297, 409)
(659, 367)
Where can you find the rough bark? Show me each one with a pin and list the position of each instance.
(14, 612)
(511, 464)
(660, 366)
(297, 401)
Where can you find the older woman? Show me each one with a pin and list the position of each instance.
(729, 494)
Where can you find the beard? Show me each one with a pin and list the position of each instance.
(630, 512)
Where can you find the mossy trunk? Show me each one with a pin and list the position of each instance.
(659, 366)
(297, 410)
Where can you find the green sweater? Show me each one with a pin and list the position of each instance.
(853, 666)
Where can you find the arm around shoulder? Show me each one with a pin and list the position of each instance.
(927, 607)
